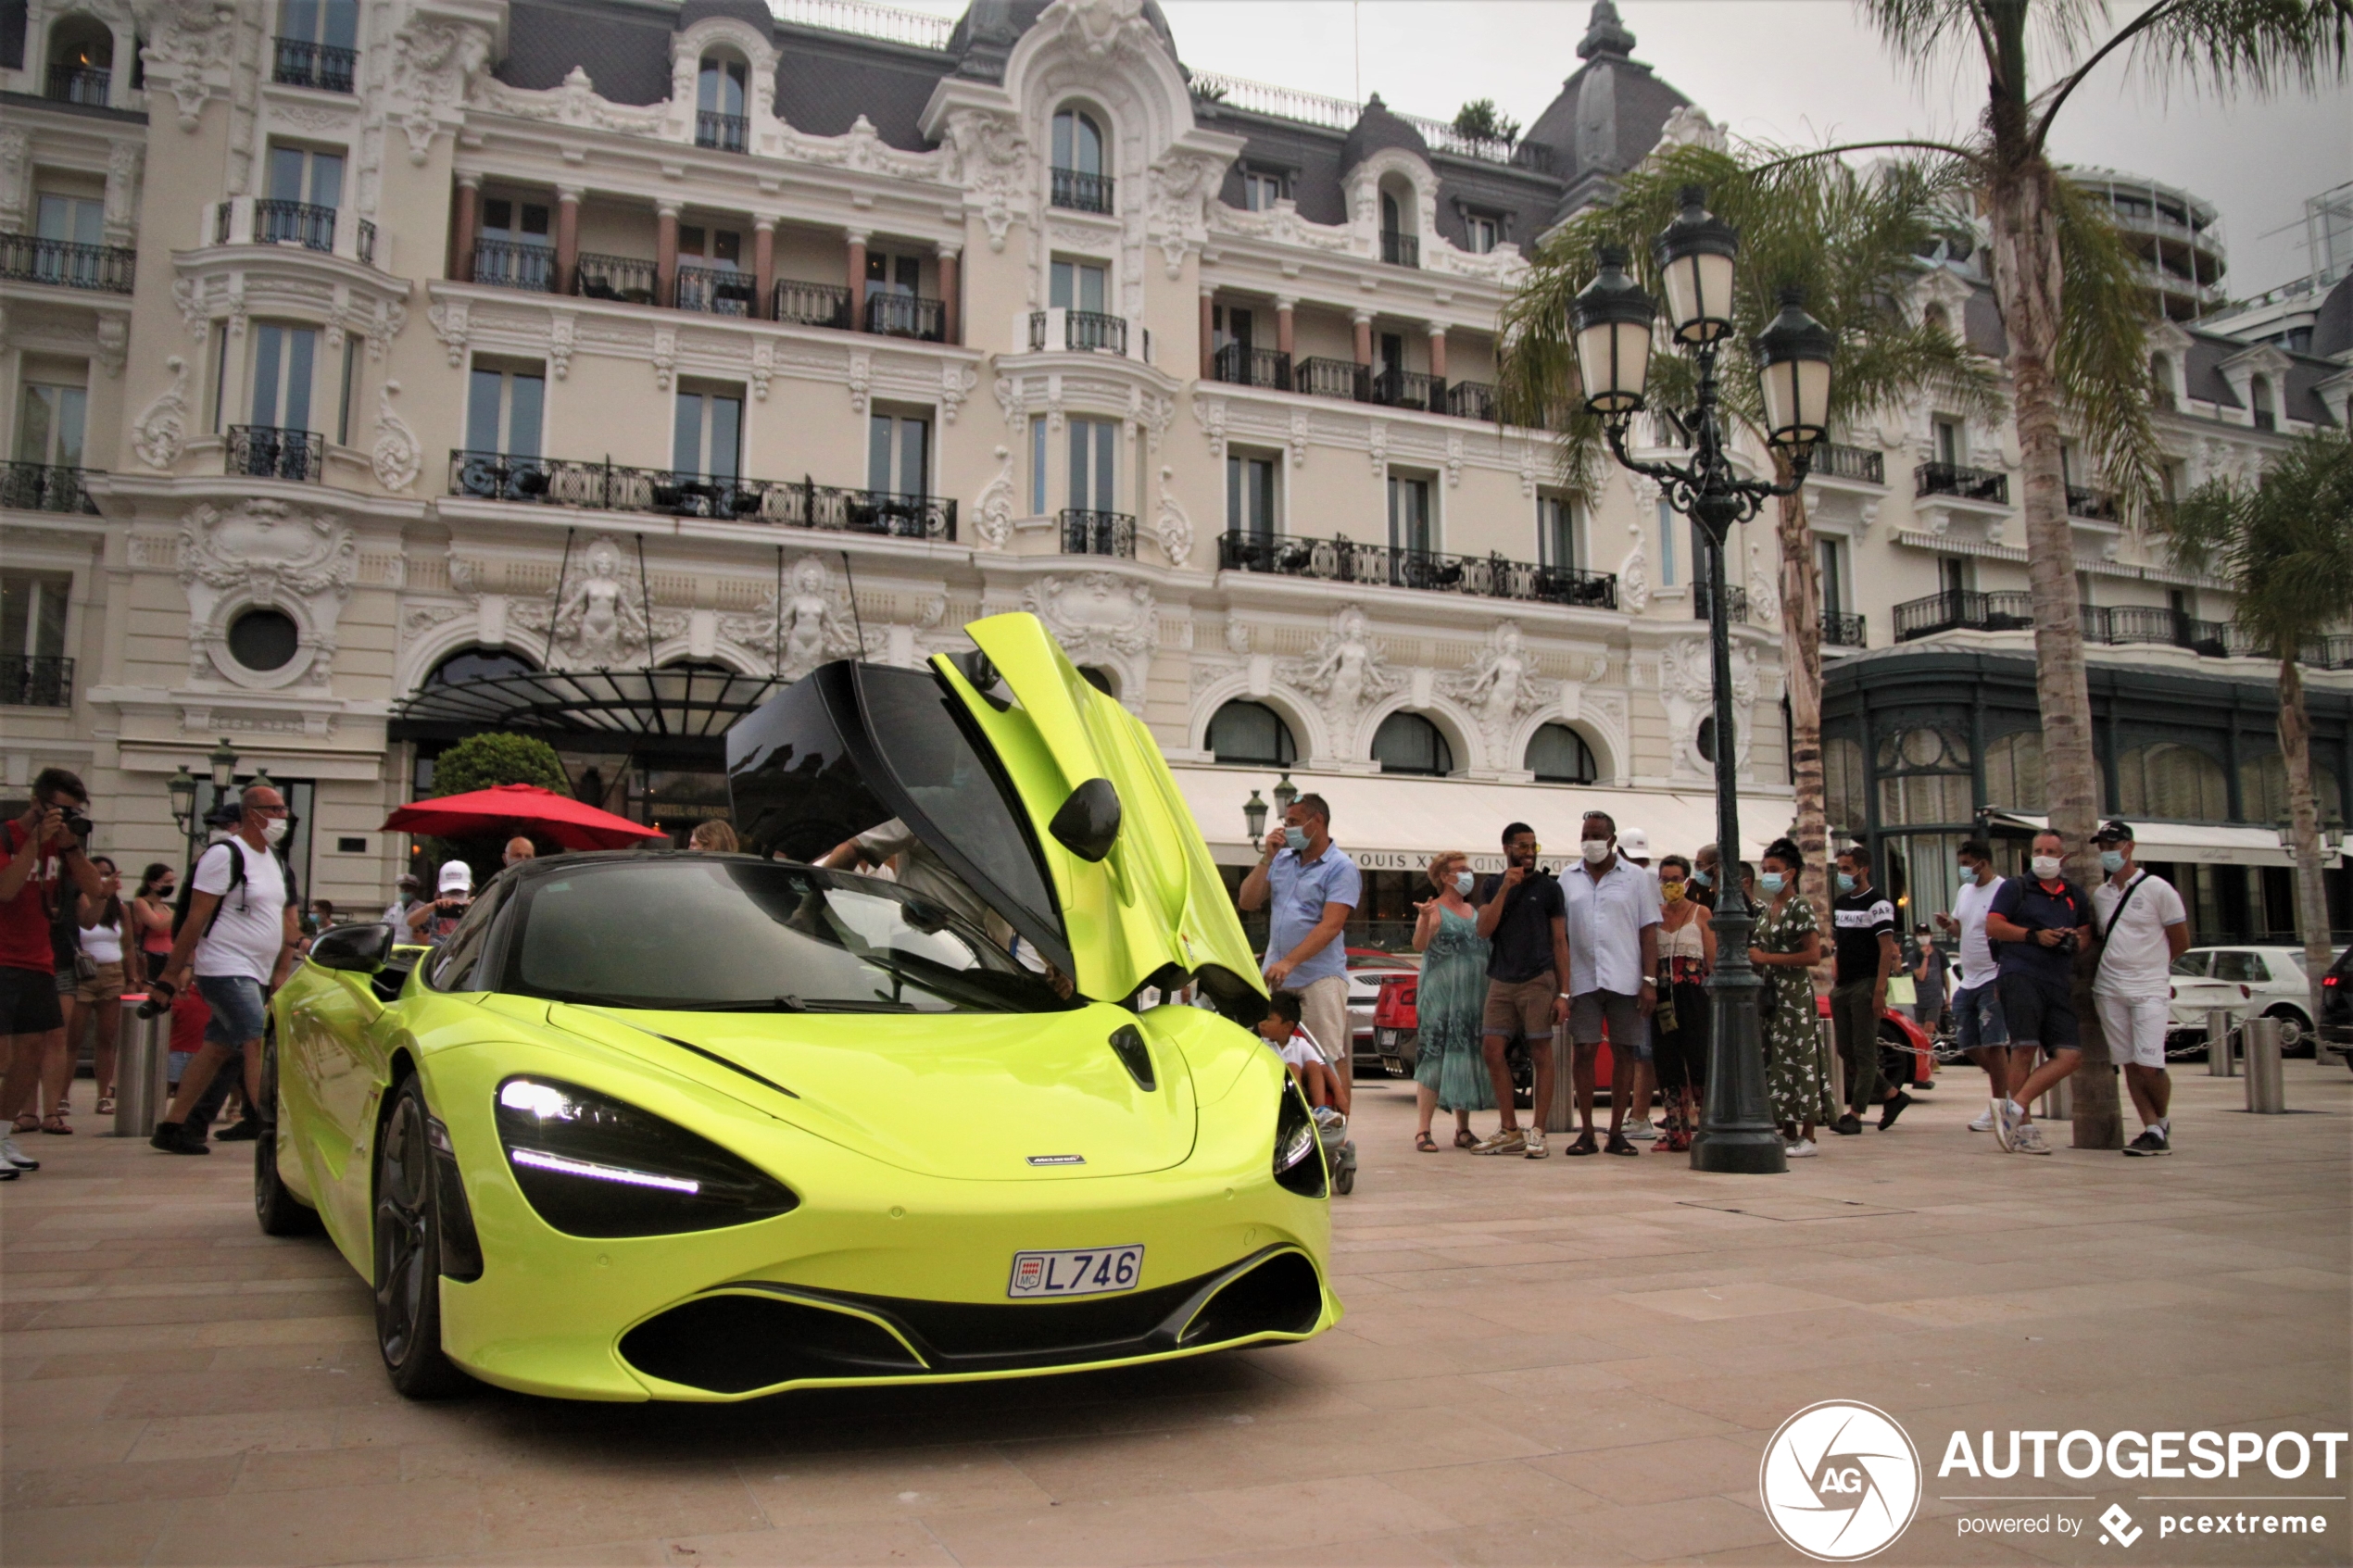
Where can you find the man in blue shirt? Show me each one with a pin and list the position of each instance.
(1309, 887)
(2042, 921)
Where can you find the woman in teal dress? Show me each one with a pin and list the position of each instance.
(1449, 1072)
(1787, 943)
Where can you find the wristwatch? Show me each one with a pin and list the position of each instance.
(1651, 980)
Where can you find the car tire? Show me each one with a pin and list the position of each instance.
(2295, 1036)
(406, 1249)
(278, 1210)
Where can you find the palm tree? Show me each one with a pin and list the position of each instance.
(1853, 242)
(2284, 545)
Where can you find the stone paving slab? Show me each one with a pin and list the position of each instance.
(1572, 1360)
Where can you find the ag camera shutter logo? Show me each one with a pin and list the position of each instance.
(1840, 1481)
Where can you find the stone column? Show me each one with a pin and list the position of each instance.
(1438, 350)
(857, 238)
(567, 238)
(666, 252)
(469, 226)
(1208, 332)
(1284, 324)
(951, 289)
(1364, 338)
(764, 266)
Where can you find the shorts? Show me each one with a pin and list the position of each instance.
(175, 1063)
(1588, 1010)
(1323, 1006)
(1977, 1018)
(2135, 1029)
(239, 1009)
(1521, 1006)
(2039, 1010)
(106, 987)
(29, 1002)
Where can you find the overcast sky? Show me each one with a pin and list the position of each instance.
(1786, 70)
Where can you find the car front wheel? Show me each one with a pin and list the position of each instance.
(407, 1254)
(278, 1211)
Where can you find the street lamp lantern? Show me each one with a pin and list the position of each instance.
(1695, 259)
(1612, 318)
(182, 787)
(1285, 793)
(1793, 367)
(1254, 813)
(224, 767)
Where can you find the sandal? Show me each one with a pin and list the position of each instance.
(1425, 1144)
(55, 1122)
(29, 1122)
(106, 1105)
(1583, 1146)
(1465, 1138)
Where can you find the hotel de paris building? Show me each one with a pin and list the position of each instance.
(384, 373)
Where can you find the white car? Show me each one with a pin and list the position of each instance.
(2250, 982)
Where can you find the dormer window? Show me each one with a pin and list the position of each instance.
(1481, 231)
(1398, 248)
(721, 94)
(2266, 417)
(2161, 381)
(81, 61)
(1079, 179)
(1263, 188)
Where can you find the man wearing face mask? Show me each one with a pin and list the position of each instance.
(2041, 921)
(1524, 920)
(1612, 910)
(1863, 936)
(2144, 927)
(1309, 887)
(1978, 1029)
(1706, 866)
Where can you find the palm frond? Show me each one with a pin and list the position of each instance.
(2240, 45)
(2284, 543)
(2101, 365)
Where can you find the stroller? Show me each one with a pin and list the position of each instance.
(1340, 1150)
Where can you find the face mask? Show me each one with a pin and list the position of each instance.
(274, 830)
(2111, 860)
(1969, 873)
(1295, 840)
(1770, 881)
(1845, 883)
(2046, 866)
(1462, 882)
(1671, 891)
(1595, 850)
(1702, 879)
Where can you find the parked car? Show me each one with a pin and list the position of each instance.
(1906, 1051)
(2336, 1006)
(1370, 973)
(2250, 982)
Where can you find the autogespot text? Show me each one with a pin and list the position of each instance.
(2155, 1456)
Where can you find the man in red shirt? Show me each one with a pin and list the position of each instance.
(41, 849)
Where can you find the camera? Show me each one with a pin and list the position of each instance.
(158, 1002)
(78, 823)
(2066, 943)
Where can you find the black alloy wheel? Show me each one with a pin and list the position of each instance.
(408, 1254)
(278, 1210)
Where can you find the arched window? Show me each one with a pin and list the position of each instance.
(720, 97)
(2173, 782)
(1250, 735)
(2014, 772)
(1391, 219)
(1078, 142)
(2263, 792)
(1923, 779)
(1099, 677)
(81, 60)
(697, 666)
(1557, 753)
(474, 664)
(1407, 742)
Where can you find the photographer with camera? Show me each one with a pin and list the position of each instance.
(45, 852)
(2042, 921)
(432, 923)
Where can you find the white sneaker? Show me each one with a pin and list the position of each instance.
(16, 1157)
(1802, 1149)
(1984, 1123)
(2008, 1117)
(1532, 1145)
(2029, 1140)
(1640, 1130)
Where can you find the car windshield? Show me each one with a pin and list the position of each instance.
(712, 934)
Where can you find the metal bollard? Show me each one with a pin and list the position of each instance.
(1561, 1116)
(142, 1062)
(2218, 1043)
(2266, 1092)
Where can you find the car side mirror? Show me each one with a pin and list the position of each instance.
(360, 950)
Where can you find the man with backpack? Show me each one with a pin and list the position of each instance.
(237, 939)
(41, 866)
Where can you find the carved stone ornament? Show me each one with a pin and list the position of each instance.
(264, 555)
(1346, 671)
(861, 379)
(1210, 414)
(187, 41)
(1099, 619)
(1499, 685)
(992, 162)
(1764, 595)
(161, 428)
(399, 456)
(563, 330)
(601, 621)
(432, 64)
(665, 357)
(452, 323)
(812, 622)
(1172, 530)
(995, 507)
(1687, 690)
(956, 382)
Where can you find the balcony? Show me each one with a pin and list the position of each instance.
(725, 132)
(79, 84)
(504, 264)
(907, 315)
(1841, 629)
(1098, 534)
(561, 482)
(29, 260)
(303, 223)
(1089, 330)
(624, 279)
(267, 452)
(300, 63)
(1958, 610)
(1735, 603)
(1240, 365)
(715, 290)
(1401, 250)
(1471, 400)
(1833, 461)
(1344, 379)
(813, 305)
(1082, 192)
(45, 487)
(1964, 483)
(35, 680)
(1341, 559)
(2093, 506)
(1405, 389)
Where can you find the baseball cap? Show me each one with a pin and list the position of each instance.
(455, 877)
(1635, 843)
(2116, 829)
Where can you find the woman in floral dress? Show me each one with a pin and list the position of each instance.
(1787, 943)
(1449, 1072)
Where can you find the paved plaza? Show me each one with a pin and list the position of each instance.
(1572, 1361)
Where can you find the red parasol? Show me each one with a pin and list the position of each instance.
(572, 823)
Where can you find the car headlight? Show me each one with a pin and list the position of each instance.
(1298, 1153)
(590, 1165)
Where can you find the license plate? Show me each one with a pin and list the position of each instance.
(1082, 1271)
(1388, 1038)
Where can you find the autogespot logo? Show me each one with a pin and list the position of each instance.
(1840, 1481)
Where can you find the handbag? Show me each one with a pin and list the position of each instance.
(1902, 992)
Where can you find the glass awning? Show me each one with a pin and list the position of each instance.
(653, 704)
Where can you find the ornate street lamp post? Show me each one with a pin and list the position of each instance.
(1613, 321)
(1254, 814)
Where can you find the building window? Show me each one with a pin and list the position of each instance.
(504, 410)
(1407, 742)
(1261, 189)
(2174, 782)
(80, 60)
(1952, 441)
(80, 221)
(1038, 465)
(1831, 557)
(478, 664)
(2263, 795)
(1557, 544)
(1923, 779)
(2265, 417)
(1557, 753)
(1094, 447)
(1409, 520)
(263, 640)
(1705, 742)
(1956, 574)
(900, 275)
(720, 86)
(1844, 798)
(302, 174)
(32, 614)
(719, 248)
(708, 433)
(1480, 233)
(284, 360)
(1076, 285)
(511, 222)
(1078, 142)
(899, 454)
(1249, 495)
(353, 343)
(49, 426)
(2014, 772)
(334, 24)
(1668, 576)
(2161, 381)
(1250, 735)
(1392, 220)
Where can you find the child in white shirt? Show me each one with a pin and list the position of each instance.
(1282, 1029)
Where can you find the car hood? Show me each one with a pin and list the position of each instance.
(970, 1096)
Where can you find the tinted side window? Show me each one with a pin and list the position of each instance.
(451, 968)
(2194, 965)
(2232, 966)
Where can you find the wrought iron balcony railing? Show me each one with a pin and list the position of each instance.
(622, 278)
(507, 264)
(1240, 365)
(1401, 250)
(1088, 330)
(715, 290)
(269, 452)
(907, 315)
(1841, 629)
(1082, 192)
(2093, 506)
(727, 132)
(1405, 389)
(363, 242)
(45, 487)
(1329, 378)
(36, 679)
(300, 63)
(1735, 602)
(814, 305)
(1470, 400)
(1966, 483)
(1098, 534)
(1834, 461)
(560, 482)
(304, 223)
(80, 85)
(29, 258)
(1342, 559)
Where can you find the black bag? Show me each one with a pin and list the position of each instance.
(236, 885)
